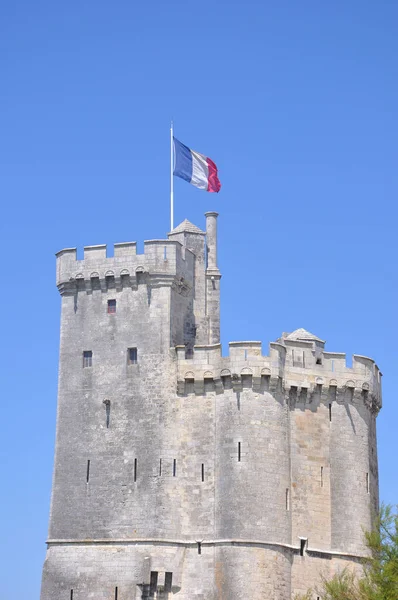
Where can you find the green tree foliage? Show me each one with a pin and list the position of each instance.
(379, 580)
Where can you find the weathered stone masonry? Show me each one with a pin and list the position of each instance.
(183, 473)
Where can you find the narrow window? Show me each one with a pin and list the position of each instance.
(107, 412)
(135, 469)
(302, 546)
(168, 580)
(321, 476)
(239, 452)
(189, 386)
(87, 359)
(165, 253)
(88, 471)
(367, 482)
(319, 360)
(174, 467)
(132, 357)
(330, 412)
(265, 382)
(71, 595)
(153, 586)
(199, 547)
(287, 499)
(160, 467)
(111, 307)
(203, 472)
(115, 593)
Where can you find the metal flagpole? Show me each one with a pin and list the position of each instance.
(171, 178)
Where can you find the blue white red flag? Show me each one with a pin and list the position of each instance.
(195, 168)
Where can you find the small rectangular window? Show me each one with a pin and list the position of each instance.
(203, 472)
(71, 595)
(209, 385)
(174, 467)
(303, 543)
(226, 382)
(239, 452)
(111, 307)
(135, 470)
(153, 586)
(116, 594)
(88, 472)
(247, 381)
(132, 356)
(189, 386)
(87, 359)
(168, 580)
(287, 499)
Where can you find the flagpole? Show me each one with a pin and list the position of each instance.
(171, 179)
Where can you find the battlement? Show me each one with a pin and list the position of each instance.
(162, 260)
(298, 364)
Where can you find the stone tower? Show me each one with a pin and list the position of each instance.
(181, 473)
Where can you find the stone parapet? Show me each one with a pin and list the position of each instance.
(246, 362)
(163, 262)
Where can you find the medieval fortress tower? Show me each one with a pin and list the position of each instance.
(182, 473)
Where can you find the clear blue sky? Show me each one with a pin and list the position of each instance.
(296, 102)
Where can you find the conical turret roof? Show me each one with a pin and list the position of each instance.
(304, 335)
(187, 226)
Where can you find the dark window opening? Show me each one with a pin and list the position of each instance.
(135, 469)
(265, 383)
(160, 467)
(87, 359)
(111, 307)
(116, 593)
(88, 471)
(247, 381)
(199, 547)
(168, 580)
(287, 499)
(153, 586)
(209, 385)
(107, 412)
(132, 356)
(203, 472)
(71, 595)
(189, 386)
(226, 382)
(174, 467)
(319, 360)
(239, 452)
(330, 412)
(302, 546)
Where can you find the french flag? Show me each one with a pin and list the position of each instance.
(195, 168)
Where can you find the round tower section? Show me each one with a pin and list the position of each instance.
(353, 461)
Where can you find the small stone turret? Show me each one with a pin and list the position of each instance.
(213, 277)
